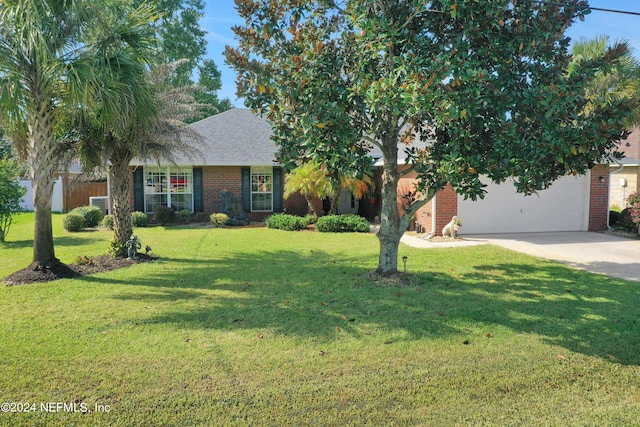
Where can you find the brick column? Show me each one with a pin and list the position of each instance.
(446, 207)
(599, 198)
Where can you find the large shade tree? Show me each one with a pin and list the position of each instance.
(55, 56)
(182, 40)
(478, 89)
(180, 36)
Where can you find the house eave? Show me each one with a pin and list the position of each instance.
(197, 164)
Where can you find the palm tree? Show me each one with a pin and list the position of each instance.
(621, 81)
(312, 180)
(309, 180)
(55, 56)
(358, 186)
(155, 131)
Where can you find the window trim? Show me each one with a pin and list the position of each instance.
(165, 181)
(264, 171)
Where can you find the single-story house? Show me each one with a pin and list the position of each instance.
(238, 156)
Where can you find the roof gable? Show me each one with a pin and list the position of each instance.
(236, 137)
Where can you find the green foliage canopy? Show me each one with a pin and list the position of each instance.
(54, 57)
(181, 38)
(476, 90)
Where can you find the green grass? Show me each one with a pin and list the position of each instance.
(270, 328)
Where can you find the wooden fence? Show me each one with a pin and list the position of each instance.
(77, 193)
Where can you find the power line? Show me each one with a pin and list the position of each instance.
(552, 3)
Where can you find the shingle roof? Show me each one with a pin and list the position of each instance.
(236, 137)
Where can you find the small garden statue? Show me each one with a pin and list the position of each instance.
(133, 244)
(232, 207)
(451, 229)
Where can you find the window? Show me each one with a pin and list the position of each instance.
(172, 187)
(261, 189)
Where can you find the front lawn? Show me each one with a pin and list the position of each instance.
(265, 327)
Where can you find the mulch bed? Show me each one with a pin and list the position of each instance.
(84, 266)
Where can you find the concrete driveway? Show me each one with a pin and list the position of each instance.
(594, 252)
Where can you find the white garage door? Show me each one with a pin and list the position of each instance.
(562, 207)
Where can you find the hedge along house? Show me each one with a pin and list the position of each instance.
(237, 156)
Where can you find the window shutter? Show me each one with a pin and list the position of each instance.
(245, 186)
(138, 189)
(277, 189)
(198, 190)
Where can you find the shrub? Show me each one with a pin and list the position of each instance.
(73, 222)
(139, 219)
(92, 215)
(163, 214)
(282, 221)
(219, 219)
(201, 217)
(626, 222)
(184, 215)
(614, 217)
(634, 211)
(107, 222)
(311, 218)
(633, 199)
(11, 193)
(342, 223)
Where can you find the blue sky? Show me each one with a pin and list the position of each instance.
(220, 16)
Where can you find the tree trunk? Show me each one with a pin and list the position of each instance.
(390, 230)
(335, 200)
(311, 207)
(42, 168)
(120, 191)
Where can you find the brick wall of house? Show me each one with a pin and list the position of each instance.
(446, 207)
(296, 204)
(406, 191)
(446, 202)
(424, 217)
(216, 179)
(599, 198)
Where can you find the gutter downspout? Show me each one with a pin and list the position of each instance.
(618, 169)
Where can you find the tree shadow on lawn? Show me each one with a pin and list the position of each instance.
(317, 294)
(587, 313)
(17, 244)
(58, 241)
